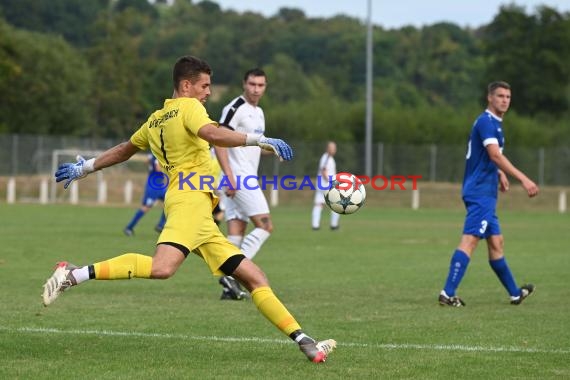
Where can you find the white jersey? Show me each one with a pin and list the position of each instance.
(243, 117)
(327, 163)
(244, 160)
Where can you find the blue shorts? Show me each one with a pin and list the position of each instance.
(151, 195)
(481, 219)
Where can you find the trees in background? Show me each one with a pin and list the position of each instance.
(45, 84)
(532, 53)
(98, 68)
(72, 19)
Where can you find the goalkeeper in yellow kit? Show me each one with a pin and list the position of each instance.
(179, 135)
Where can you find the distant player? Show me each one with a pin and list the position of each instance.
(327, 170)
(243, 114)
(152, 194)
(485, 169)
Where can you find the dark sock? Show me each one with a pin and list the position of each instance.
(300, 337)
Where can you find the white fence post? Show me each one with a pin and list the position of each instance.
(128, 192)
(102, 192)
(415, 199)
(562, 202)
(74, 193)
(44, 191)
(274, 197)
(11, 191)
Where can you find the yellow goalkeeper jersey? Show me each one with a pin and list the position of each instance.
(171, 133)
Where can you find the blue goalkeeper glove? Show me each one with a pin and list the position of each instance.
(277, 146)
(72, 171)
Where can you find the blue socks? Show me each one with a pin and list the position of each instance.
(503, 271)
(139, 214)
(457, 269)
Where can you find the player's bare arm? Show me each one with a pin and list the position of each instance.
(222, 137)
(503, 181)
(507, 167)
(70, 171)
(227, 138)
(222, 155)
(117, 154)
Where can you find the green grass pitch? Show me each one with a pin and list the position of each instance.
(372, 286)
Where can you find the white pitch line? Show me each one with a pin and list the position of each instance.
(384, 346)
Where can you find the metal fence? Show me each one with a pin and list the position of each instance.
(434, 163)
(22, 155)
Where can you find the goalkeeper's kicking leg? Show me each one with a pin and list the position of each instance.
(166, 262)
(253, 278)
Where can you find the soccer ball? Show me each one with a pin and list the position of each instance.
(346, 194)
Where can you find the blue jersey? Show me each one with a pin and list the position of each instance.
(481, 174)
(152, 165)
(153, 192)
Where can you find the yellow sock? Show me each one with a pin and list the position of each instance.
(270, 306)
(123, 267)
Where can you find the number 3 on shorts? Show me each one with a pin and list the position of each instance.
(483, 226)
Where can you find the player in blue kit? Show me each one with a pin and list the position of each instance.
(486, 170)
(151, 195)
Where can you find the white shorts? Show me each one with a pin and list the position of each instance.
(245, 204)
(222, 200)
(320, 197)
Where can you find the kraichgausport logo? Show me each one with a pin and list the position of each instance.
(193, 181)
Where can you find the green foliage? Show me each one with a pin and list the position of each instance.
(429, 82)
(441, 61)
(45, 84)
(141, 6)
(118, 88)
(531, 52)
(71, 19)
(317, 119)
(9, 67)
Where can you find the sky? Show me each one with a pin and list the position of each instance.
(397, 13)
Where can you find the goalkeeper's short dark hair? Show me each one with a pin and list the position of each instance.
(189, 68)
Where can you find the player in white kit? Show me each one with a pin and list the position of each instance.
(327, 170)
(244, 201)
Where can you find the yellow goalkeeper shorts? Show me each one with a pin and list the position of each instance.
(189, 223)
